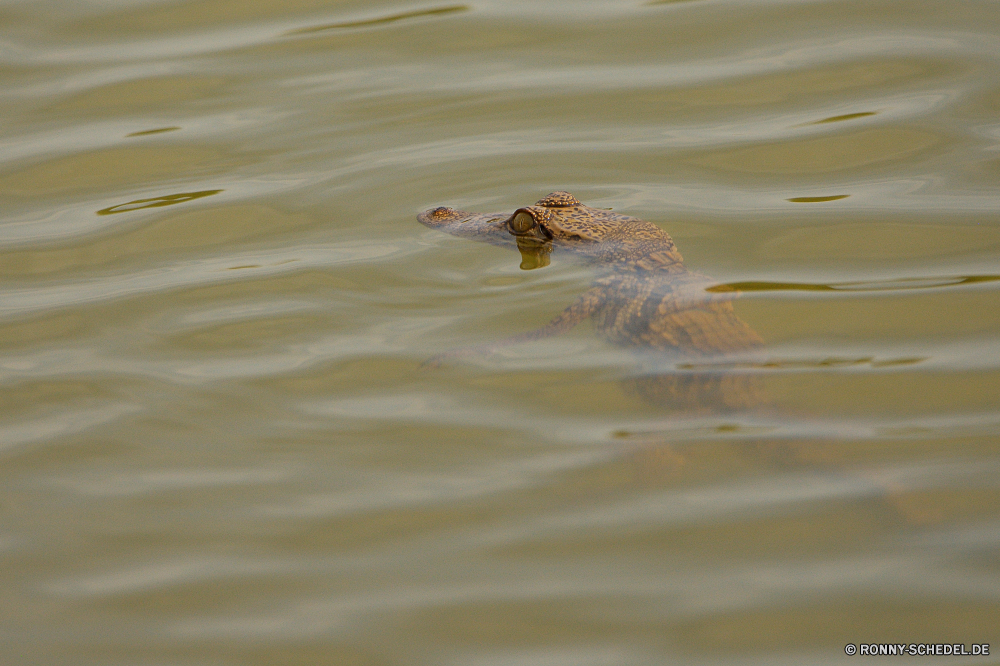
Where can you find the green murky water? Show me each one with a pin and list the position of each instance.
(217, 439)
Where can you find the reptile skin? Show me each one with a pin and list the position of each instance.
(643, 297)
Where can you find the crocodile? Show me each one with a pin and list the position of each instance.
(643, 297)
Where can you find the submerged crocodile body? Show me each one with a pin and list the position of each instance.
(643, 297)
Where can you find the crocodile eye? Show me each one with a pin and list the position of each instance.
(522, 223)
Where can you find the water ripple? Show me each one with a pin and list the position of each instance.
(193, 273)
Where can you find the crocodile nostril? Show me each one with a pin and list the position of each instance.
(440, 211)
(522, 223)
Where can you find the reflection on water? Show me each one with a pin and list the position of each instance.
(218, 442)
(845, 116)
(159, 130)
(392, 18)
(832, 197)
(784, 364)
(878, 285)
(156, 202)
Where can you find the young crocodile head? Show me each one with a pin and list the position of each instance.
(560, 222)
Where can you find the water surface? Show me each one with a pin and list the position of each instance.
(220, 444)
